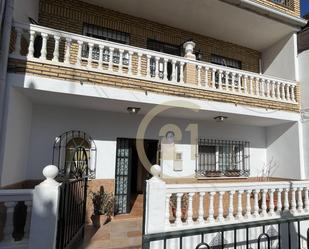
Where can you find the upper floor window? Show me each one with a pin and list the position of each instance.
(286, 3)
(223, 158)
(225, 61)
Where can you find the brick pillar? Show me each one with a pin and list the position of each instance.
(189, 69)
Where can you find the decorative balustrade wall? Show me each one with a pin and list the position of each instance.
(45, 45)
(15, 217)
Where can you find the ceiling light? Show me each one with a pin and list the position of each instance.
(133, 110)
(220, 118)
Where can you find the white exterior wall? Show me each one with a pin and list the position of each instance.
(17, 138)
(25, 9)
(303, 62)
(104, 127)
(280, 59)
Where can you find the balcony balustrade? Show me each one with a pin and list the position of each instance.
(44, 45)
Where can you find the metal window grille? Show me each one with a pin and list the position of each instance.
(286, 3)
(224, 61)
(223, 158)
(107, 34)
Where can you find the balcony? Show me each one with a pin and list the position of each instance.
(64, 50)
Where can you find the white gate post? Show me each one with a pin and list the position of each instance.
(44, 218)
(155, 202)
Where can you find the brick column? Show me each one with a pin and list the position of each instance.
(189, 69)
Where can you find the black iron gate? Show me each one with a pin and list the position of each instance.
(72, 212)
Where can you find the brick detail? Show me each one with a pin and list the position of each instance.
(57, 72)
(70, 15)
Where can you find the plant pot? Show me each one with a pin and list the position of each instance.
(99, 220)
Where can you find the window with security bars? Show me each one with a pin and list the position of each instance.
(106, 34)
(223, 158)
(285, 3)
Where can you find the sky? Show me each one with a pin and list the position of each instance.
(304, 7)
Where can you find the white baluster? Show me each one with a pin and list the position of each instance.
(271, 202)
(273, 95)
(56, 50)
(67, 50)
(100, 62)
(239, 204)
(206, 76)
(286, 200)
(139, 64)
(89, 61)
(165, 69)
(279, 202)
(293, 201)
(174, 70)
(278, 90)
(256, 203)
(190, 209)
(121, 52)
(245, 84)
(44, 46)
(251, 85)
(306, 199)
(178, 209)
(288, 96)
(199, 75)
(283, 97)
(220, 79)
(248, 204)
(18, 41)
(213, 78)
(267, 94)
(233, 82)
(293, 93)
(230, 215)
(220, 207)
(167, 209)
(264, 205)
(31, 44)
(211, 207)
(239, 82)
(181, 71)
(130, 63)
(263, 88)
(9, 226)
(79, 53)
(300, 204)
(257, 87)
(111, 59)
(28, 218)
(157, 72)
(201, 208)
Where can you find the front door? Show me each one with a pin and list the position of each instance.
(130, 174)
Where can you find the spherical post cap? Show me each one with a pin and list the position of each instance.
(155, 170)
(50, 171)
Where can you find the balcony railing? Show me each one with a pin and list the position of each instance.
(50, 46)
(189, 206)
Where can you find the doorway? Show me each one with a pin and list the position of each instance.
(130, 175)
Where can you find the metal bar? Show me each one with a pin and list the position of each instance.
(298, 234)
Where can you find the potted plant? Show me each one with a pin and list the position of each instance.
(184, 205)
(103, 206)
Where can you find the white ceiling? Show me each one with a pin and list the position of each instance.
(101, 104)
(212, 18)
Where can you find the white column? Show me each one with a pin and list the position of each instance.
(230, 215)
(79, 54)
(130, 63)
(18, 41)
(300, 204)
(201, 208)
(239, 82)
(271, 202)
(288, 97)
(174, 70)
(211, 207)
(273, 95)
(157, 71)
(199, 75)
(121, 51)
(248, 204)
(100, 62)
(206, 76)
(44, 46)
(233, 82)
(67, 51)
(278, 90)
(257, 86)
(264, 206)
(267, 88)
(31, 44)
(293, 201)
(239, 204)
(256, 203)
(262, 87)
(190, 209)
(56, 50)
(165, 69)
(220, 207)
(213, 78)
(89, 61)
(245, 84)
(251, 84)
(178, 209)
(220, 79)
(167, 209)
(293, 93)
(306, 199)
(181, 72)
(283, 97)
(279, 202)
(45, 211)
(286, 200)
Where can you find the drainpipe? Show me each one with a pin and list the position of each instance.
(4, 53)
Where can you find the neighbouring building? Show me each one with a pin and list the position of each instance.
(212, 91)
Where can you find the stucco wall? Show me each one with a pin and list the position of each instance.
(17, 139)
